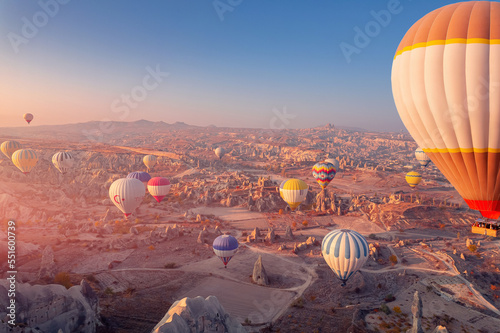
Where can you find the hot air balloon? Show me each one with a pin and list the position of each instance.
(445, 78)
(63, 161)
(220, 152)
(9, 147)
(225, 247)
(144, 177)
(159, 187)
(345, 251)
(149, 161)
(293, 191)
(127, 194)
(413, 178)
(25, 160)
(335, 163)
(28, 117)
(323, 172)
(422, 157)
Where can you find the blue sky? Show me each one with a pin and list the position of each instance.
(237, 63)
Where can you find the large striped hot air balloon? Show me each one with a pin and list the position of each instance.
(422, 157)
(28, 117)
(220, 152)
(9, 147)
(413, 178)
(293, 191)
(225, 247)
(25, 160)
(159, 187)
(445, 78)
(323, 172)
(127, 194)
(63, 161)
(345, 251)
(150, 161)
(144, 177)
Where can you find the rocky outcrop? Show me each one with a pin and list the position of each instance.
(416, 310)
(259, 275)
(50, 308)
(288, 233)
(47, 266)
(198, 315)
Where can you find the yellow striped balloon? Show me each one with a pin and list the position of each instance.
(9, 147)
(293, 191)
(445, 83)
(413, 178)
(25, 160)
(150, 161)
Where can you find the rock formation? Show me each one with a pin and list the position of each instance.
(259, 275)
(288, 233)
(416, 310)
(198, 315)
(47, 266)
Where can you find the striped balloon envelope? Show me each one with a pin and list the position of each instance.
(225, 247)
(445, 83)
(323, 172)
(9, 147)
(63, 161)
(413, 178)
(159, 187)
(144, 177)
(345, 251)
(422, 157)
(127, 194)
(293, 191)
(28, 117)
(150, 161)
(25, 160)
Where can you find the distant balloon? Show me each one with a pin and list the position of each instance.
(28, 117)
(127, 194)
(323, 172)
(25, 160)
(293, 191)
(445, 76)
(225, 247)
(335, 163)
(220, 152)
(413, 178)
(422, 157)
(150, 161)
(159, 187)
(9, 147)
(345, 251)
(63, 161)
(144, 177)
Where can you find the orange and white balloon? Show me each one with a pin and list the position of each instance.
(25, 160)
(445, 82)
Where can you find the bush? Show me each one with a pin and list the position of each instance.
(389, 298)
(396, 309)
(280, 212)
(393, 259)
(385, 309)
(91, 278)
(305, 223)
(63, 279)
(372, 236)
(170, 265)
(298, 303)
(472, 248)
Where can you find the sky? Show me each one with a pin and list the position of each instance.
(231, 63)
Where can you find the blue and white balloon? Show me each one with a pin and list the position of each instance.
(345, 251)
(225, 247)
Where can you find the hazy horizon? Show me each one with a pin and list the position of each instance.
(231, 64)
